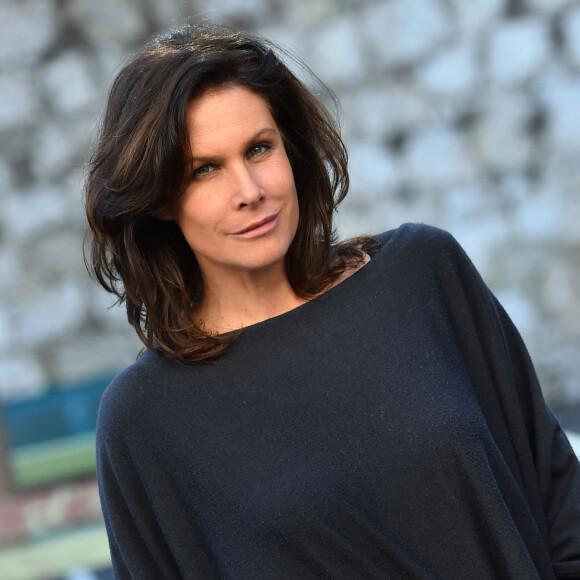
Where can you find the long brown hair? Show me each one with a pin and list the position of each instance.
(140, 166)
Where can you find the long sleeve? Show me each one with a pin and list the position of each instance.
(557, 468)
(144, 516)
(138, 549)
(524, 428)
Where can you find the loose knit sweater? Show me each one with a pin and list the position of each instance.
(392, 427)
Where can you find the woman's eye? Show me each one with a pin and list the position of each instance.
(258, 149)
(203, 170)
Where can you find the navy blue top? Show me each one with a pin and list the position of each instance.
(392, 427)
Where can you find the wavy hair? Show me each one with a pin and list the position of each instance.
(140, 166)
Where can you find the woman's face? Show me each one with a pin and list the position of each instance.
(239, 212)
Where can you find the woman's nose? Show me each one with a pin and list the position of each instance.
(246, 188)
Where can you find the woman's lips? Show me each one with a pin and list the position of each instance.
(258, 228)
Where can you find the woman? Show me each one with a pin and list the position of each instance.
(303, 409)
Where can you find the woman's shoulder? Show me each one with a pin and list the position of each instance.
(419, 244)
(423, 257)
(136, 390)
(416, 236)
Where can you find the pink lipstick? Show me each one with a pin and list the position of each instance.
(258, 228)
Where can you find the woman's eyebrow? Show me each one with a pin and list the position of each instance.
(260, 134)
(265, 132)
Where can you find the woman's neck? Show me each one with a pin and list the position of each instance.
(245, 299)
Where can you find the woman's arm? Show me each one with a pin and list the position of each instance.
(526, 431)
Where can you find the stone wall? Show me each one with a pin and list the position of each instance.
(463, 114)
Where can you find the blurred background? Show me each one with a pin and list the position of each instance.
(465, 115)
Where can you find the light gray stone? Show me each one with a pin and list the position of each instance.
(120, 23)
(466, 203)
(475, 16)
(571, 27)
(59, 147)
(418, 205)
(437, 157)
(569, 226)
(357, 216)
(517, 50)
(567, 371)
(560, 93)
(452, 72)
(69, 83)
(520, 309)
(480, 231)
(10, 265)
(560, 173)
(29, 213)
(305, 14)
(103, 308)
(19, 104)
(5, 178)
(548, 6)
(514, 189)
(500, 134)
(402, 31)
(291, 40)
(169, 13)
(21, 377)
(560, 294)
(379, 112)
(337, 53)
(5, 326)
(24, 39)
(558, 369)
(91, 356)
(58, 256)
(72, 186)
(108, 60)
(49, 313)
(228, 10)
(539, 218)
(373, 172)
